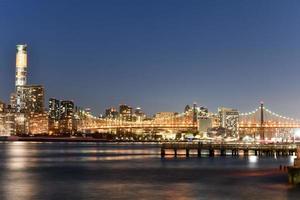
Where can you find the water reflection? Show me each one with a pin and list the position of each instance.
(108, 171)
(16, 181)
(291, 159)
(16, 155)
(252, 161)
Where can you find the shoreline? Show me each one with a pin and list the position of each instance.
(68, 139)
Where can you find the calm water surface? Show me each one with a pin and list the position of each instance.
(134, 171)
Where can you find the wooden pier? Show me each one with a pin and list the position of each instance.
(224, 149)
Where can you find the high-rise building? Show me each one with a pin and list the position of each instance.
(66, 125)
(54, 115)
(125, 112)
(111, 113)
(139, 115)
(7, 122)
(33, 97)
(38, 123)
(54, 109)
(229, 119)
(21, 122)
(21, 76)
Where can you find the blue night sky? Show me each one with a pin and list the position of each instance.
(157, 54)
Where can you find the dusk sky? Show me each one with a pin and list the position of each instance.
(157, 54)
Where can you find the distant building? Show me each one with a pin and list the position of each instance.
(33, 99)
(21, 77)
(21, 123)
(229, 119)
(54, 108)
(163, 116)
(7, 121)
(66, 125)
(111, 113)
(38, 123)
(54, 116)
(13, 100)
(125, 112)
(2, 106)
(203, 112)
(139, 115)
(205, 124)
(187, 109)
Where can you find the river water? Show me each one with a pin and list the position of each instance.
(62, 171)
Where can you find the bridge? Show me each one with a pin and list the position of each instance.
(176, 122)
(266, 123)
(261, 122)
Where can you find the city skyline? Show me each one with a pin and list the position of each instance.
(157, 99)
(181, 63)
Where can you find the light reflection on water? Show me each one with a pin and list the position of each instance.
(134, 171)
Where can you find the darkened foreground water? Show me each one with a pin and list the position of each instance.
(62, 171)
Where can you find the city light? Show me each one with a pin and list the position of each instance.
(27, 115)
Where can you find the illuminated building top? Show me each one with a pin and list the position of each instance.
(21, 65)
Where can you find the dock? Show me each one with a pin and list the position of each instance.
(224, 149)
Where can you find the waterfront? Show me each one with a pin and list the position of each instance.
(134, 171)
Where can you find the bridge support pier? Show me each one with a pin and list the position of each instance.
(175, 152)
(187, 152)
(284, 153)
(211, 152)
(199, 152)
(162, 152)
(277, 153)
(246, 152)
(223, 152)
(235, 152)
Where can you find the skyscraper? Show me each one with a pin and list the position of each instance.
(66, 124)
(125, 112)
(54, 109)
(54, 115)
(21, 76)
(33, 99)
(111, 113)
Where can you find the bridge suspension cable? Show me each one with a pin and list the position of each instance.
(274, 114)
(280, 116)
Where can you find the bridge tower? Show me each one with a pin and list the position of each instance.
(262, 131)
(195, 115)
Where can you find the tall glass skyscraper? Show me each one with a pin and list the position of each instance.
(21, 65)
(21, 76)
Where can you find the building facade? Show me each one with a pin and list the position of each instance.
(38, 124)
(66, 125)
(21, 76)
(125, 112)
(229, 119)
(7, 121)
(54, 116)
(111, 113)
(34, 97)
